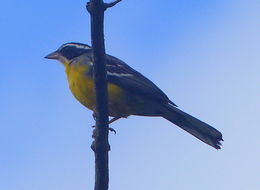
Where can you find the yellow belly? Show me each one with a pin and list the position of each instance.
(82, 87)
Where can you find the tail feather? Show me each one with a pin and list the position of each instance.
(192, 125)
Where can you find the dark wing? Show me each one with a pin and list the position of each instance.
(122, 75)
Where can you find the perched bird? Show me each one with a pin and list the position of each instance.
(129, 92)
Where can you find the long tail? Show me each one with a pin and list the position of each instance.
(197, 128)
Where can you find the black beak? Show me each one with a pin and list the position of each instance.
(54, 55)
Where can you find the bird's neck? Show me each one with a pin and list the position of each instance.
(76, 69)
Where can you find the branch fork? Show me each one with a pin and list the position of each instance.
(105, 6)
(112, 4)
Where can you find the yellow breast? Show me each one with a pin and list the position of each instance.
(82, 87)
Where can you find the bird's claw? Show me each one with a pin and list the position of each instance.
(112, 130)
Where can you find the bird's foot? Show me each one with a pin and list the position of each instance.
(94, 131)
(112, 130)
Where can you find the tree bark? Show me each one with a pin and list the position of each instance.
(100, 146)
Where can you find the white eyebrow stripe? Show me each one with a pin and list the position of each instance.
(119, 74)
(76, 45)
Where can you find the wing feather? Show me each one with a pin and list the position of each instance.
(127, 78)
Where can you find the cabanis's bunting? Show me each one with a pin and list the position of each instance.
(129, 92)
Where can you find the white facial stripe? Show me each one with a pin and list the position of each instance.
(80, 46)
(119, 74)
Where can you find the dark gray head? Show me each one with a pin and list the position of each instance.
(69, 51)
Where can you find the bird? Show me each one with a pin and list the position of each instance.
(129, 92)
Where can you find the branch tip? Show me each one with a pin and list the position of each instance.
(109, 5)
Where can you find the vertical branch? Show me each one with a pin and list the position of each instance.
(100, 146)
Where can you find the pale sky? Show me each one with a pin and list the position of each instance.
(203, 54)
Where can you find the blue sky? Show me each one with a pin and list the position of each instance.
(203, 54)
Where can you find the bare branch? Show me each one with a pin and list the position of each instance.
(100, 146)
(109, 5)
